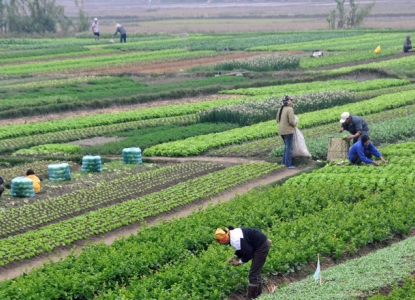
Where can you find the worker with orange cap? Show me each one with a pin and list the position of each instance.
(249, 243)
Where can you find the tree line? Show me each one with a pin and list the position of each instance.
(39, 16)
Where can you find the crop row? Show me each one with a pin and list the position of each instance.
(82, 53)
(102, 61)
(54, 82)
(113, 191)
(199, 144)
(40, 166)
(403, 63)
(320, 86)
(176, 110)
(252, 112)
(103, 220)
(76, 134)
(11, 131)
(105, 91)
(365, 41)
(359, 278)
(332, 59)
(301, 223)
(235, 42)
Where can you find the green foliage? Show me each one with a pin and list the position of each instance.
(49, 149)
(252, 112)
(260, 63)
(35, 16)
(144, 138)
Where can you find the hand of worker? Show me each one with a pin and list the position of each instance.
(349, 137)
(383, 160)
(236, 263)
(375, 163)
(341, 130)
(229, 260)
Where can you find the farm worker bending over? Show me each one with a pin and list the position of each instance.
(407, 45)
(286, 128)
(122, 32)
(95, 29)
(249, 243)
(363, 150)
(355, 125)
(36, 181)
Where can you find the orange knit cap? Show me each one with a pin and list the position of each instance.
(222, 236)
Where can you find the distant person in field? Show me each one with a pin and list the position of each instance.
(95, 28)
(123, 33)
(353, 124)
(286, 128)
(363, 150)
(407, 45)
(36, 181)
(1, 186)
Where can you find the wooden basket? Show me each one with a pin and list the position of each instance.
(338, 149)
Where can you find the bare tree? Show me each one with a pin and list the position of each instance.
(352, 17)
(331, 19)
(83, 18)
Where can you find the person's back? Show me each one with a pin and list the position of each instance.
(36, 181)
(407, 45)
(286, 120)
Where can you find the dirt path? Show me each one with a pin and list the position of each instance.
(18, 268)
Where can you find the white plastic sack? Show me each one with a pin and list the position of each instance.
(299, 147)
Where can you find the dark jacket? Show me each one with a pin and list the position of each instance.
(356, 124)
(248, 242)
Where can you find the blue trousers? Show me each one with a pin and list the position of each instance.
(288, 142)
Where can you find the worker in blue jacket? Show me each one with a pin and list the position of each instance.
(363, 150)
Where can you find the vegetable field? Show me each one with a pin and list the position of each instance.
(202, 109)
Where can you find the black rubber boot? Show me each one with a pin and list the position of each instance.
(253, 291)
(260, 289)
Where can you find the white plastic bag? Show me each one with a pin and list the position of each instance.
(299, 147)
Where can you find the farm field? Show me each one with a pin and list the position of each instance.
(201, 107)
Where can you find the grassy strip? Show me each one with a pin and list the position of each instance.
(357, 278)
(197, 145)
